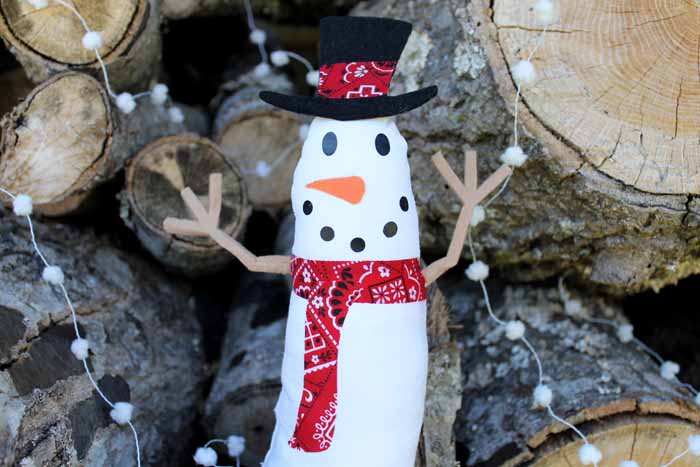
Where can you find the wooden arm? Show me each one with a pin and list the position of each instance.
(207, 224)
(471, 194)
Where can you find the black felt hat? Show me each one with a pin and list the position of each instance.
(358, 59)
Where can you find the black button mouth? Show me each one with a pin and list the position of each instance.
(357, 244)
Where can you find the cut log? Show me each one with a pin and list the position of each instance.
(66, 138)
(251, 132)
(144, 349)
(279, 11)
(48, 40)
(611, 390)
(247, 385)
(599, 181)
(154, 180)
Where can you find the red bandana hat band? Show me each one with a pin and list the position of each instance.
(355, 80)
(331, 287)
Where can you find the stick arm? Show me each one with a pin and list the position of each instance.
(206, 223)
(470, 194)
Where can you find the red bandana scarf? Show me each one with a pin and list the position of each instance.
(331, 287)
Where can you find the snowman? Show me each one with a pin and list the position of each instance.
(356, 354)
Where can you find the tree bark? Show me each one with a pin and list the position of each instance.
(611, 390)
(250, 132)
(66, 138)
(47, 41)
(141, 330)
(575, 205)
(154, 180)
(279, 11)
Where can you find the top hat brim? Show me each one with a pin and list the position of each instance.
(350, 109)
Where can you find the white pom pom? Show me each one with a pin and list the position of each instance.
(175, 114)
(625, 332)
(515, 330)
(126, 102)
(478, 215)
(38, 3)
(206, 457)
(262, 70)
(669, 370)
(159, 94)
(694, 444)
(524, 72)
(697, 399)
(80, 348)
(312, 78)
(589, 454)
(544, 11)
(303, 131)
(22, 205)
(235, 445)
(262, 169)
(477, 271)
(514, 156)
(257, 36)
(92, 40)
(122, 412)
(53, 275)
(573, 307)
(629, 463)
(279, 58)
(542, 395)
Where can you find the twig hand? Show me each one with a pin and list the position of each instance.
(206, 223)
(471, 194)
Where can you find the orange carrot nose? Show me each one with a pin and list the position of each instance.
(350, 189)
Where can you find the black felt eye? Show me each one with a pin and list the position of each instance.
(329, 143)
(307, 207)
(381, 142)
(403, 203)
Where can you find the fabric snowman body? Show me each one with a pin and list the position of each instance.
(353, 203)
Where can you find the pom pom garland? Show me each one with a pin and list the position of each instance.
(477, 271)
(235, 445)
(262, 70)
(303, 131)
(542, 395)
(53, 275)
(669, 370)
(544, 11)
(79, 347)
(694, 445)
(514, 156)
(122, 412)
(279, 58)
(697, 398)
(38, 4)
(312, 78)
(159, 94)
(524, 73)
(478, 215)
(628, 463)
(22, 205)
(515, 330)
(126, 102)
(589, 454)
(625, 332)
(262, 169)
(92, 40)
(257, 36)
(206, 457)
(175, 114)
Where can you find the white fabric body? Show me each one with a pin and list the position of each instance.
(383, 352)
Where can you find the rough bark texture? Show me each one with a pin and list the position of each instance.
(154, 180)
(141, 330)
(278, 10)
(67, 137)
(251, 132)
(611, 390)
(48, 41)
(560, 213)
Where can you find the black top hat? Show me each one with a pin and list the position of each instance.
(358, 58)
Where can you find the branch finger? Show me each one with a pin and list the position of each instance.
(194, 205)
(450, 177)
(183, 227)
(215, 182)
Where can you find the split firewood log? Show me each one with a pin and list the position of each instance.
(611, 390)
(262, 140)
(279, 11)
(144, 345)
(48, 40)
(66, 138)
(609, 126)
(154, 179)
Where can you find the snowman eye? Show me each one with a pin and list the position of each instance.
(329, 143)
(381, 142)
